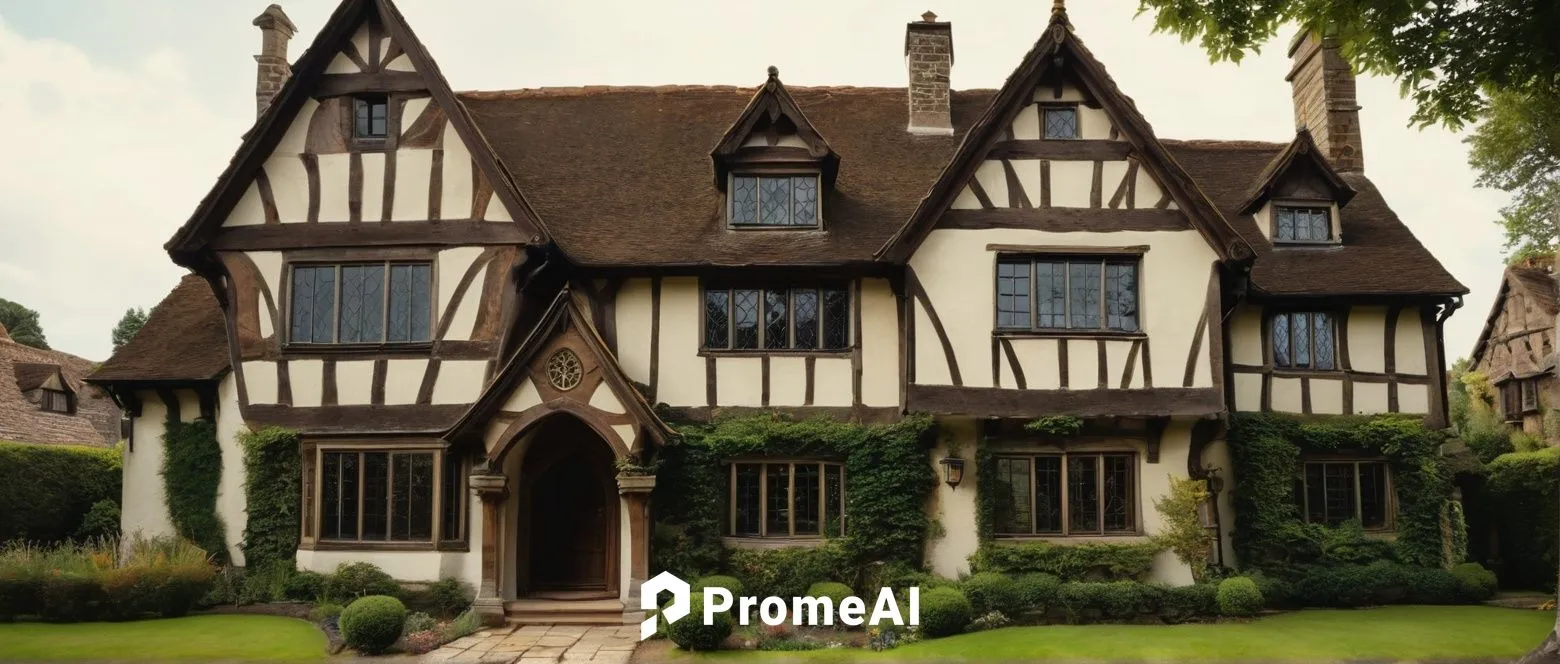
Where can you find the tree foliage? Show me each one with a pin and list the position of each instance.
(128, 325)
(22, 323)
(1517, 150)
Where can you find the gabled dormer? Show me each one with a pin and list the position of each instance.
(773, 165)
(44, 385)
(1297, 199)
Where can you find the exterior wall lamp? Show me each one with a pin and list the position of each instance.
(953, 470)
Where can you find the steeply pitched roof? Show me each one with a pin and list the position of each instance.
(184, 339)
(1301, 153)
(771, 107)
(1537, 284)
(24, 368)
(1378, 255)
(31, 376)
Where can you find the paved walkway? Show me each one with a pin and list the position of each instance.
(541, 644)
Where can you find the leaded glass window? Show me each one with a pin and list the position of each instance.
(774, 200)
(778, 319)
(1061, 122)
(1334, 492)
(388, 496)
(358, 303)
(370, 117)
(1100, 492)
(1067, 294)
(1304, 340)
(786, 499)
(1302, 224)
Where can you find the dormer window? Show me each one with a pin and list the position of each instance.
(1060, 122)
(370, 118)
(779, 201)
(1302, 224)
(55, 401)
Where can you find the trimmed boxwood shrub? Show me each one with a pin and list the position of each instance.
(730, 583)
(1477, 583)
(990, 591)
(1115, 600)
(47, 490)
(1239, 597)
(690, 633)
(944, 612)
(373, 623)
(1036, 591)
(360, 579)
(831, 589)
(1179, 604)
(1069, 562)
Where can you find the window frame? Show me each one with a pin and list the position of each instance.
(351, 260)
(1104, 255)
(1325, 206)
(760, 173)
(730, 530)
(1270, 322)
(439, 540)
(1514, 398)
(46, 396)
(1134, 501)
(369, 141)
(1389, 508)
(1046, 107)
(848, 287)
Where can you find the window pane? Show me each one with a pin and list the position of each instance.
(1315, 494)
(778, 521)
(1373, 495)
(807, 479)
(420, 488)
(804, 311)
(376, 490)
(1083, 485)
(362, 303)
(1084, 295)
(1051, 293)
(313, 304)
(834, 500)
(1281, 340)
(324, 303)
(1286, 223)
(836, 319)
(747, 499)
(400, 497)
(1013, 294)
(1118, 493)
(302, 314)
(1322, 339)
(340, 515)
(1121, 289)
(411, 301)
(804, 211)
(377, 114)
(1012, 490)
(717, 319)
(450, 494)
(360, 125)
(745, 319)
(1048, 494)
(1339, 492)
(1061, 123)
(330, 497)
(1300, 333)
(774, 201)
(776, 319)
(744, 200)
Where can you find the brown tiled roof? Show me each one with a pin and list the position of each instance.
(622, 175)
(1539, 285)
(185, 338)
(24, 368)
(1378, 254)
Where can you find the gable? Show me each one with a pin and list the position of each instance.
(773, 132)
(1518, 336)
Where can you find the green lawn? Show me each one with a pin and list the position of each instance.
(199, 638)
(1398, 632)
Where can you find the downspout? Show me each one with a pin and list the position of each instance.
(1447, 309)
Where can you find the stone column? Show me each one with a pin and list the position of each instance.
(635, 490)
(492, 488)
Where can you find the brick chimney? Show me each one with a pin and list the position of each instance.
(275, 30)
(1323, 89)
(929, 58)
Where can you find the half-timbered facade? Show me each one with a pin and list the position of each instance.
(469, 326)
(1516, 349)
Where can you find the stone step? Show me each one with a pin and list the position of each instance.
(570, 612)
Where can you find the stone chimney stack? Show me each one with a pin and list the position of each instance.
(929, 59)
(275, 30)
(1323, 89)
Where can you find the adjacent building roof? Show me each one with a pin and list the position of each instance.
(24, 369)
(1537, 285)
(184, 339)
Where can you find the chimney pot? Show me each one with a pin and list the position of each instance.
(929, 61)
(1322, 86)
(273, 70)
(929, 17)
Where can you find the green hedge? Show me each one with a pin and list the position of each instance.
(1522, 499)
(192, 471)
(47, 490)
(103, 580)
(273, 494)
(1069, 562)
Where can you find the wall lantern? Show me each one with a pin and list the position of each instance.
(1215, 483)
(953, 470)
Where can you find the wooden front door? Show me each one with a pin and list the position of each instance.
(573, 510)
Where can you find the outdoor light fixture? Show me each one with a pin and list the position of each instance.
(1215, 483)
(953, 470)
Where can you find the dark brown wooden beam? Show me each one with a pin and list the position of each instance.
(1100, 220)
(359, 420)
(336, 85)
(1073, 150)
(420, 233)
(868, 415)
(996, 402)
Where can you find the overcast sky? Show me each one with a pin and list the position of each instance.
(118, 115)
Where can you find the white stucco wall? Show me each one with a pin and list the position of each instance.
(143, 508)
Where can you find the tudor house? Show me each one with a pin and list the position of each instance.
(468, 323)
(1516, 349)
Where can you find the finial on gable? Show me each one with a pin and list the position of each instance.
(774, 72)
(1059, 6)
(929, 17)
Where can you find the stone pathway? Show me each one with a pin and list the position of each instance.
(542, 644)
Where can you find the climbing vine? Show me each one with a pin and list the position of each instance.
(273, 494)
(192, 470)
(1267, 449)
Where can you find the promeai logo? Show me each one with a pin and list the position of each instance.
(773, 611)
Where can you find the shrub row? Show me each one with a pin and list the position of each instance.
(105, 579)
(280, 582)
(1069, 562)
(47, 490)
(1381, 582)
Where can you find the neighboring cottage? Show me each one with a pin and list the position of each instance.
(467, 303)
(45, 399)
(1516, 349)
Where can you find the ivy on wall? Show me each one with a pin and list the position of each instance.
(192, 470)
(888, 477)
(272, 491)
(1266, 451)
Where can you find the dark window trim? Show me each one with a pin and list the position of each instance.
(1333, 316)
(1105, 255)
(1134, 515)
(763, 498)
(845, 286)
(1389, 517)
(44, 394)
(1333, 232)
(369, 143)
(1044, 106)
(327, 259)
(313, 534)
(1514, 393)
(774, 170)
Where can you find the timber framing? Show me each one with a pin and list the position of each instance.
(998, 402)
(763, 116)
(1301, 153)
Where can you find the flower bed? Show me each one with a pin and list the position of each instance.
(104, 579)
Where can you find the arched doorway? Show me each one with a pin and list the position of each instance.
(569, 528)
